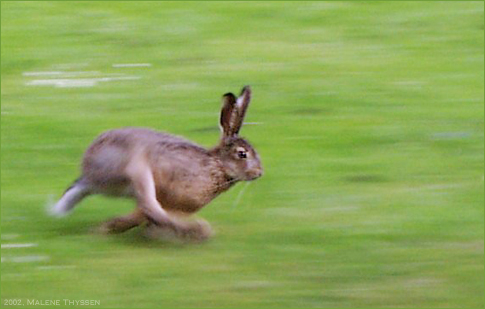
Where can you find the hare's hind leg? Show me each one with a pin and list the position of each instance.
(73, 195)
(144, 188)
(122, 224)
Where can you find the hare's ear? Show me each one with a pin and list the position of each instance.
(242, 104)
(228, 114)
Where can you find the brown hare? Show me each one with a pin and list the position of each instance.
(166, 175)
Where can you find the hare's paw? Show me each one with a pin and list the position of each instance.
(182, 231)
(163, 233)
(197, 230)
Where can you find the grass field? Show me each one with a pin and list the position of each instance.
(369, 118)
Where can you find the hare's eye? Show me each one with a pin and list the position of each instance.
(242, 154)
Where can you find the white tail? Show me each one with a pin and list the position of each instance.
(71, 197)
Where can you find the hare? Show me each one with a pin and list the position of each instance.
(165, 174)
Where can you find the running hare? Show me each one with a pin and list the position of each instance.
(165, 174)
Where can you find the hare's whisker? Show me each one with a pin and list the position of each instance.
(239, 195)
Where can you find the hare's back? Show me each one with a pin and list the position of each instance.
(134, 139)
(109, 154)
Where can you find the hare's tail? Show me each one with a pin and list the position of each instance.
(73, 195)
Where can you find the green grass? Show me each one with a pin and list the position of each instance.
(371, 133)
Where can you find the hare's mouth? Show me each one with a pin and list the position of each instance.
(255, 174)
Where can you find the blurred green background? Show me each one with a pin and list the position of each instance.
(368, 118)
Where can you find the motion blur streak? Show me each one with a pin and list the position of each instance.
(371, 135)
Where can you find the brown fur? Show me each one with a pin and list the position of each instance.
(167, 174)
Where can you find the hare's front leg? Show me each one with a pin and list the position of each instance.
(124, 223)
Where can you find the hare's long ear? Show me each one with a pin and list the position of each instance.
(228, 114)
(242, 104)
